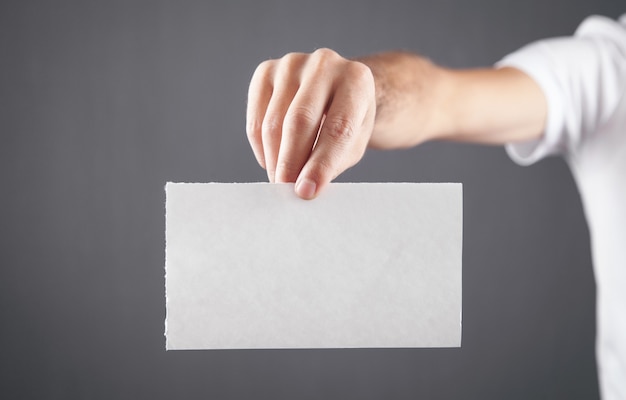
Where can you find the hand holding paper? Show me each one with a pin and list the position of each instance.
(302, 101)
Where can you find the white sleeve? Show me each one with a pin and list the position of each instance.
(583, 78)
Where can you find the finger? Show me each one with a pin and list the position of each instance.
(273, 127)
(344, 134)
(300, 129)
(259, 94)
(286, 82)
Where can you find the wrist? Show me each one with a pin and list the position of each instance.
(412, 97)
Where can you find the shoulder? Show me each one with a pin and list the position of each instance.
(603, 27)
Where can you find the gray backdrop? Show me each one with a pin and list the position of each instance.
(103, 102)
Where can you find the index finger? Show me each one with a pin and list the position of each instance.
(344, 134)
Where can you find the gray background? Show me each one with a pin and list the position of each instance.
(103, 102)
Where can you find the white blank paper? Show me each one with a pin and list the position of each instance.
(363, 265)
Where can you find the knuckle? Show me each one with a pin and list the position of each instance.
(339, 128)
(291, 60)
(253, 129)
(272, 124)
(322, 58)
(360, 72)
(264, 70)
(325, 53)
(325, 166)
(301, 119)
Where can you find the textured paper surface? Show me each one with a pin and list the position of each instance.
(364, 265)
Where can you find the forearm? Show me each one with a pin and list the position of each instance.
(419, 101)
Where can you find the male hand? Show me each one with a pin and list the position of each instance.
(310, 117)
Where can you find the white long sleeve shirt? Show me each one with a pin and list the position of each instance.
(584, 80)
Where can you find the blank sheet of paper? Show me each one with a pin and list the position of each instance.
(363, 265)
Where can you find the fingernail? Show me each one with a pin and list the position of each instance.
(305, 188)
